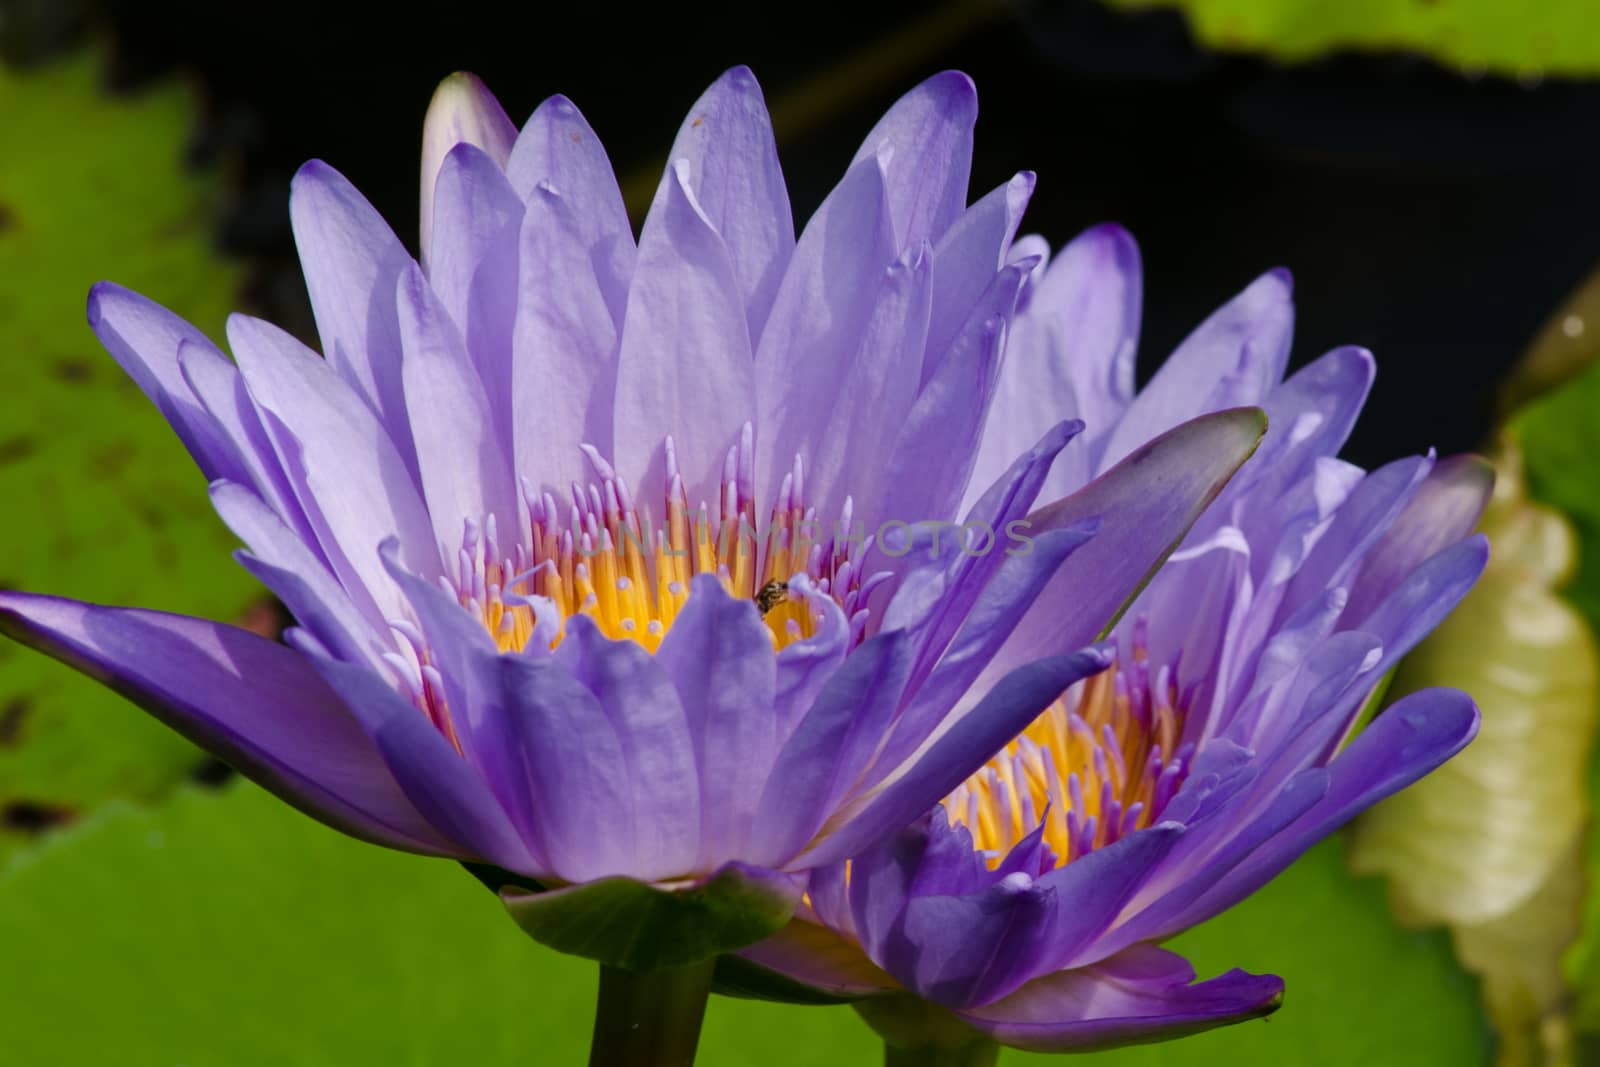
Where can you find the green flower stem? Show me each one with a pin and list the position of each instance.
(650, 1018)
(979, 1052)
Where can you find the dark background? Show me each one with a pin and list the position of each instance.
(1433, 217)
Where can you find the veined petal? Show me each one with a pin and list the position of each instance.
(255, 703)
(967, 256)
(948, 758)
(819, 315)
(443, 786)
(719, 655)
(352, 263)
(577, 785)
(558, 149)
(1069, 355)
(462, 111)
(459, 455)
(354, 485)
(684, 369)
(144, 338)
(474, 268)
(220, 388)
(346, 624)
(1405, 742)
(565, 334)
(1445, 509)
(658, 754)
(1144, 994)
(933, 458)
(846, 438)
(831, 745)
(1235, 357)
(733, 171)
(925, 140)
(1146, 505)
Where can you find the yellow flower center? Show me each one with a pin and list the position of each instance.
(1100, 762)
(596, 554)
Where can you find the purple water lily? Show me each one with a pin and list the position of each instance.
(606, 559)
(1222, 742)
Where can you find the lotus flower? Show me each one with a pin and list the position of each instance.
(608, 561)
(1220, 745)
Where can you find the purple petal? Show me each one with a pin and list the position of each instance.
(219, 386)
(442, 785)
(819, 317)
(733, 172)
(1098, 886)
(684, 368)
(460, 457)
(1233, 358)
(1369, 510)
(719, 654)
(1404, 743)
(286, 565)
(1012, 590)
(831, 745)
(474, 267)
(949, 758)
(1445, 508)
(966, 258)
(1309, 417)
(579, 788)
(927, 473)
(925, 141)
(1204, 855)
(1146, 505)
(565, 349)
(558, 149)
(1141, 995)
(972, 553)
(462, 111)
(874, 388)
(352, 262)
(1070, 354)
(965, 950)
(804, 667)
(251, 701)
(652, 729)
(144, 338)
(353, 483)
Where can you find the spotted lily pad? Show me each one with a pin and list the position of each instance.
(103, 503)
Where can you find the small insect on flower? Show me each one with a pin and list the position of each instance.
(771, 595)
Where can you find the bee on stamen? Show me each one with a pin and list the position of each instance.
(771, 595)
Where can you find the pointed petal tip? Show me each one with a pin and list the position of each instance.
(956, 86)
(741, 77)
(460, 82)
(99, 293)
(557, 104)
(311, 171)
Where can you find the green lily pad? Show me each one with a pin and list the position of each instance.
(224, 929)
(104, 502)
(1489, 843)
(642, 927)
(1554, 37)
(1559, 433)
